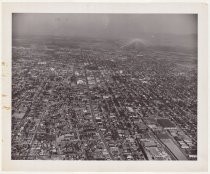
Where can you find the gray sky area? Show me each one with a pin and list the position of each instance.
(104, 25)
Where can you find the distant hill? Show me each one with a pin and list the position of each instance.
(135, 44)
(161, 41)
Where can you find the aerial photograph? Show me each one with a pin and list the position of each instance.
(104, 86)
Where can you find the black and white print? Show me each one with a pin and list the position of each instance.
(104, 86)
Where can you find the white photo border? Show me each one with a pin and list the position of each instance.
(106, 166)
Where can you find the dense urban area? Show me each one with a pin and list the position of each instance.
(75, 99)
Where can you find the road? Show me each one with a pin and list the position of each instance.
(94, 120)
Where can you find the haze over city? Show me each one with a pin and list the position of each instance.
(155, 29)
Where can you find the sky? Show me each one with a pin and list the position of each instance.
(103, 25)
